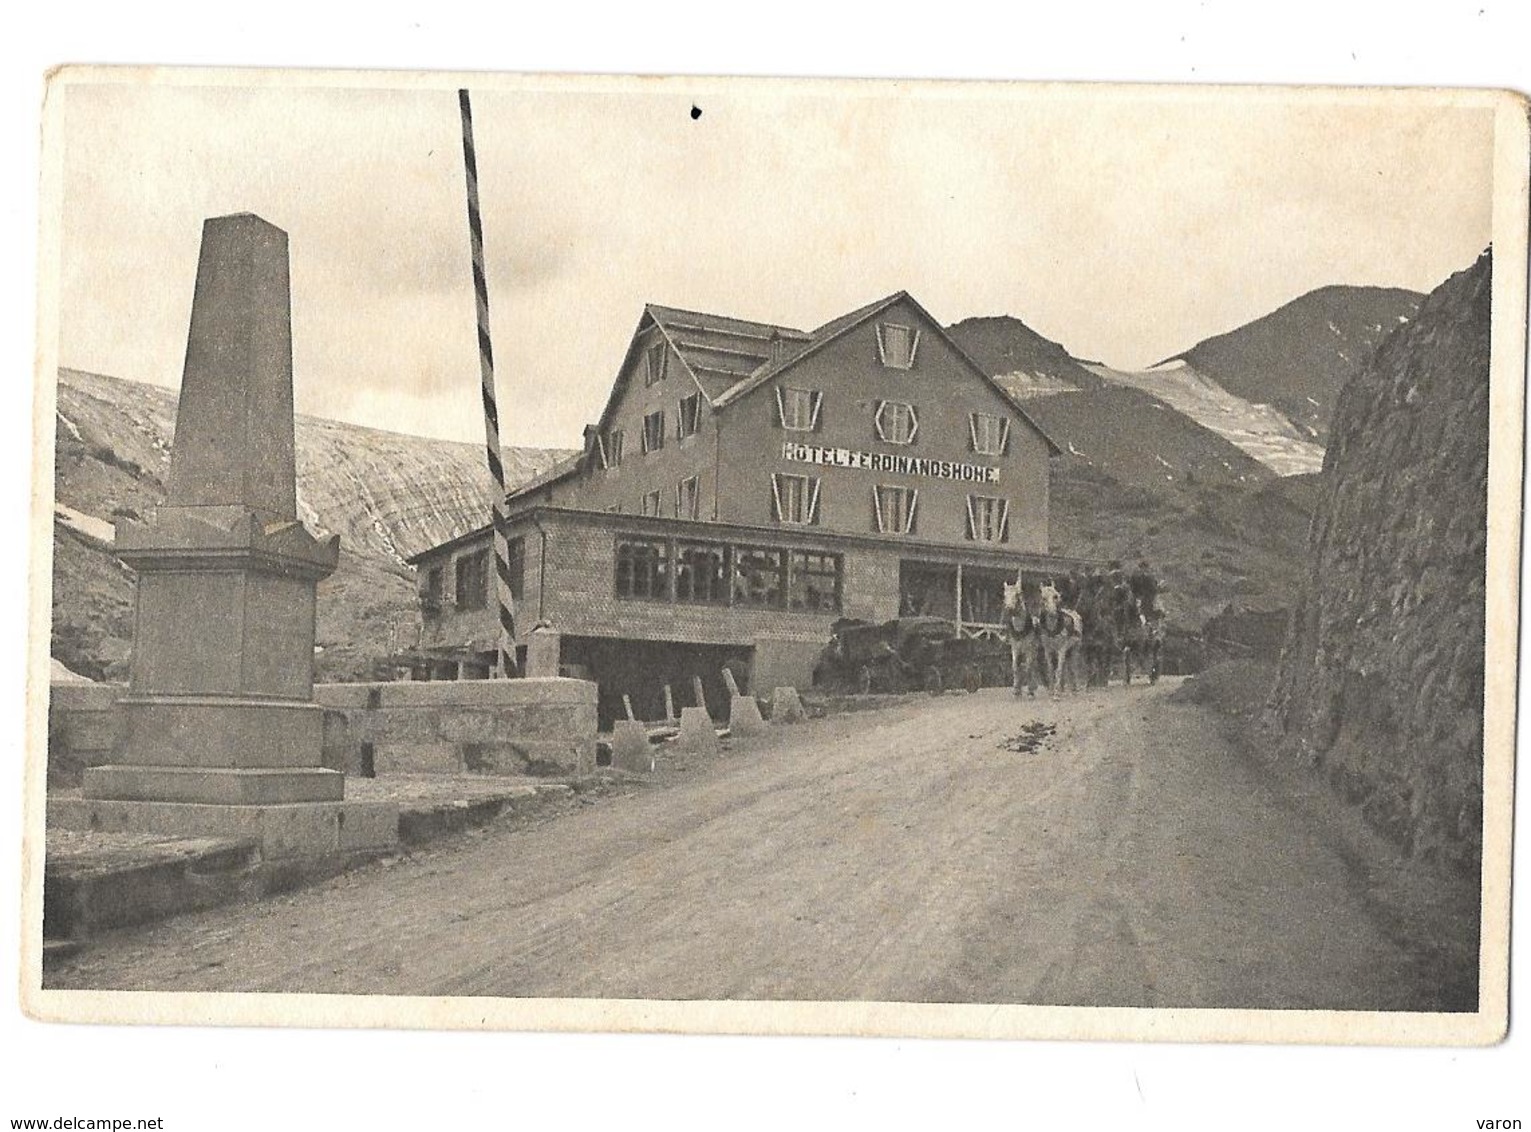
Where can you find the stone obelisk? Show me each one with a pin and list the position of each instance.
(220, 734)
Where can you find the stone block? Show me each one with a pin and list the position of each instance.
(459, 726)
(340, 750)
(344, 697)
(787, 706)
(744, 716)
(301, 829)
(696, 731)
(211, 786)
(411, 724)
(630, 749)
(391, 756)
(188, 732)
(543, 650)
(487, 693)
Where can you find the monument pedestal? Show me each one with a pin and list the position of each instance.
(220, 736)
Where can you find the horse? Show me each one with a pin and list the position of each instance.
(1025, 642)
(1098, 633)
(1059, 629)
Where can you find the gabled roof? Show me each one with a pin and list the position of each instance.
(836, 327)
(727, 358)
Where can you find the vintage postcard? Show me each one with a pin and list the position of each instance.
(776, 556)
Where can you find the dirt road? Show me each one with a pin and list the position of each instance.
(904, 855)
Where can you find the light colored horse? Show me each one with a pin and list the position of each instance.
(1060, 631)
(1025, 643)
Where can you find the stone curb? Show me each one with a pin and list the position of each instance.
(85, 894)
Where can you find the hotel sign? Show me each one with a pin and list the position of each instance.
(886, 462)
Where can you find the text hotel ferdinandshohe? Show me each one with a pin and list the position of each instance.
(888, 462)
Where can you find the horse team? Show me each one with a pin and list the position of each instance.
(1072, 634)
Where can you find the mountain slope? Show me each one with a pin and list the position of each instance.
(1024, 362)
(1299, 356)
(1258, 430)
(387, 495)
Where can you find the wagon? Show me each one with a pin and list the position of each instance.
(898, 656)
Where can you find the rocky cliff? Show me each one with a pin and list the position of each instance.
(1381, 681)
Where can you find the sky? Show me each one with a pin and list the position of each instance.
(1126, 223)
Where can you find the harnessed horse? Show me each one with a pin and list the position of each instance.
(1025, 639)
(1060, 630)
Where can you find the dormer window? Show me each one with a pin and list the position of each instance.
(798, 409)
(654, 363)
(896, 345)
(689, 419)
(896, 422)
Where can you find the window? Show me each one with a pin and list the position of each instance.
(760, 577)
(701, 572)
(893, 508)
(654, 363)
(643, 568)
(473, 580)
(515, 560)
(896, 422)
(813, 581)
(650, 503)
(431, 590)
(688, 499)
(990, 434)
(798, 409)
(794, 499)
(653, 431)
(611, 448)
(689, 419)
(896, 345)
(988, 519)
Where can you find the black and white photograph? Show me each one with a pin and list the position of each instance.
(722, 555)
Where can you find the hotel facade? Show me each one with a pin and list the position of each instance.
(748, 485)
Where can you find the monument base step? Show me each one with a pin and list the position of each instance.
(282, 830)
(219, 787)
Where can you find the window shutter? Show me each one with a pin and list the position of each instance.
(972, 521)
(781, 408)
(914, 424)
(914, 501)
(813, 500)
(973, 432)
(775, 497)
(914, 344)
(600, 450)
(818, 403)
(1004, 520)
(877, 510)
(877, 420)
(882, 351)
(1004, 436)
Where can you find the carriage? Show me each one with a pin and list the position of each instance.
(906, 654)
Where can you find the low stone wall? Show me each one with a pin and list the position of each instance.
(82, 727)
(520, 727)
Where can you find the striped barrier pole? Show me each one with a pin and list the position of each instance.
(505, 657)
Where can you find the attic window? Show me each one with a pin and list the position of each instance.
(798, 409)
(654, 362)
(896, 345)
(689, 419)
(653, 431)
(896, 422)
(990, 434)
